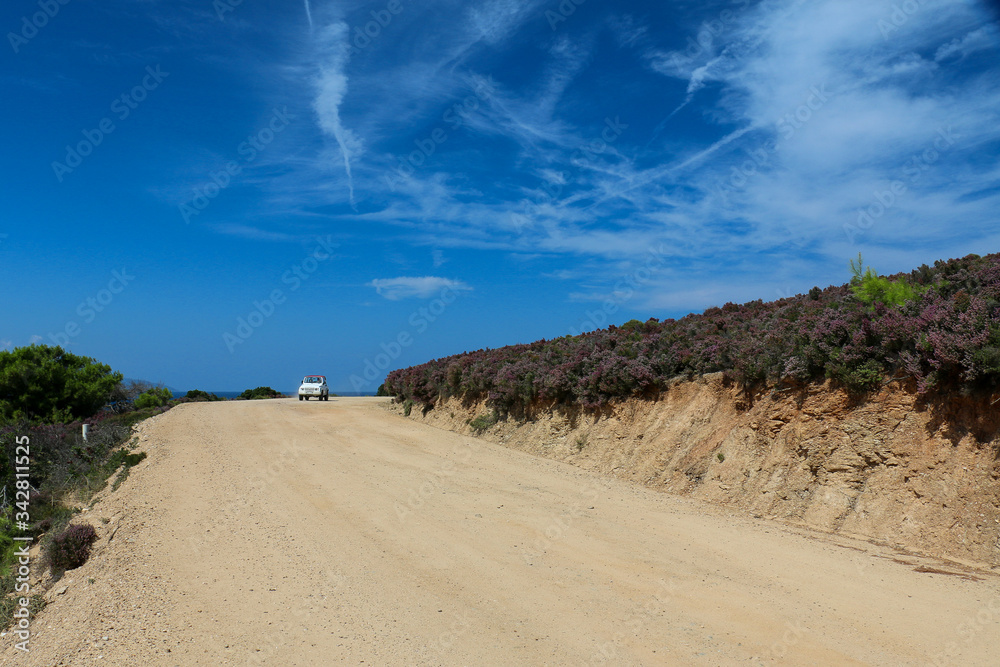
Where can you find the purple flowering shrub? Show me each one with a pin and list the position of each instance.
(946, 335)
(71, 548)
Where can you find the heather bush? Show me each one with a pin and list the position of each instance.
(71, 548)
(938, 326)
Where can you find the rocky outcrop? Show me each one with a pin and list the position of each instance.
(922, 474)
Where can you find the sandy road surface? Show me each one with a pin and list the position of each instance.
(288, 533)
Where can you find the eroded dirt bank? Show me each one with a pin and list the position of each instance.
(920, 475)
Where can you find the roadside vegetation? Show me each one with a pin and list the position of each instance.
(259, 392)
(46, 395)
(937, 326)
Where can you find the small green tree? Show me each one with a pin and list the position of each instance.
(872, 288)
(47, 384)
(153, 398)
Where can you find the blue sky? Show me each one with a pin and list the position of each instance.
(231, 194)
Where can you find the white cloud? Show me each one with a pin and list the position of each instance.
(493, 20)
(248, 232)
(309, 16)
(980, 39)
(424, 287)
(331, 89)
(837, 108)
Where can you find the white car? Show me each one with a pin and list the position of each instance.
(314, 386)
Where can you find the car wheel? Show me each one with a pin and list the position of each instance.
(300, 398)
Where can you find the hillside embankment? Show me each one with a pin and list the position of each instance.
(917, 473)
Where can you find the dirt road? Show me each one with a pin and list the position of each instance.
(323, 533)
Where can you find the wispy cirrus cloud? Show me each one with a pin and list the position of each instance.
(309, 17)
(331, 88)
(423, 287)
(254, 233)
(778, 130)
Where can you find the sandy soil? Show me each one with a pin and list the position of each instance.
(318, 533)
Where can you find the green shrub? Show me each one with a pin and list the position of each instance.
(199, 395)
(484, 422)
(9, 602)
(872, 288)
(260, 392)
(153, 398)
(6, 541)
(407, 407)
(862, 378)
(71, 548)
